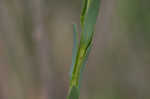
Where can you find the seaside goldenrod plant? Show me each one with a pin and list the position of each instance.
(82, 48)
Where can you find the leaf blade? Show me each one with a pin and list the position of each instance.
(75, 47)
(74, 93)
(90, 19)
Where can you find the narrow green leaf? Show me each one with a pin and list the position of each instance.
(81, 51)
(84, 9)
(74, 93)
(75, 47)
(90, 20)
(84, 62)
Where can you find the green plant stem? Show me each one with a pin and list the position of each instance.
(80, 52)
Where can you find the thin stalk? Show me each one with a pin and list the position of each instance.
(81, 51)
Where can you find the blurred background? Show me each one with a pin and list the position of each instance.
(36, 43)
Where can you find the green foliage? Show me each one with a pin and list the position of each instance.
(81, 50)
(74, 93)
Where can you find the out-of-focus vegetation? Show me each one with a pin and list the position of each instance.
(36, 46)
